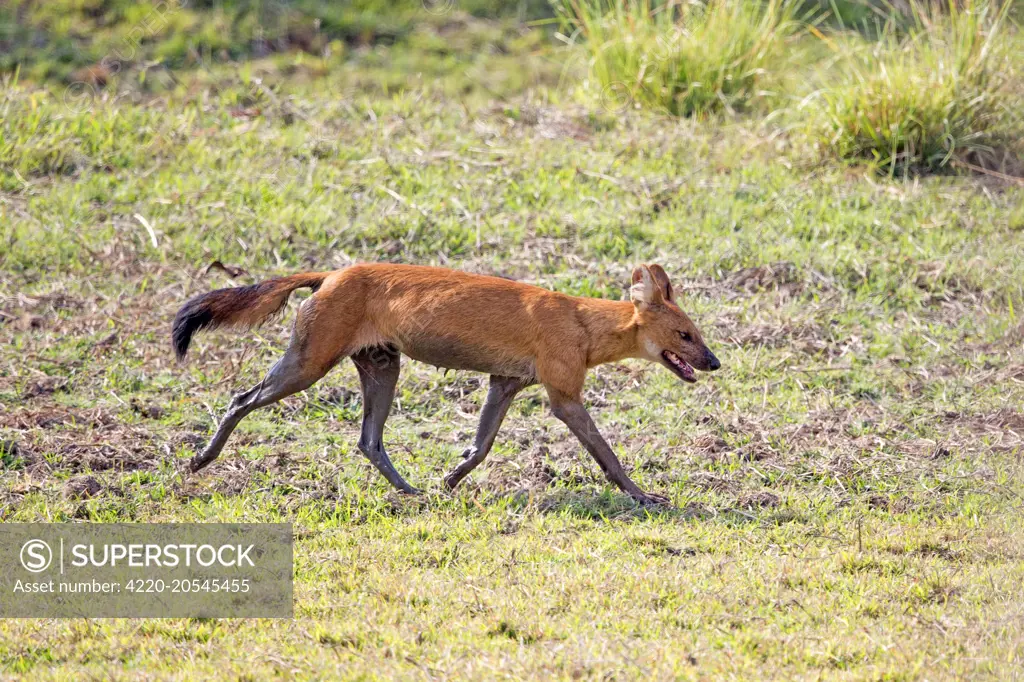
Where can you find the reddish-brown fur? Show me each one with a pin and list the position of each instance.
(464, 321)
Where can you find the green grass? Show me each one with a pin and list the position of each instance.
(87, 39)
(945, 90)
(683, 58)
(847, 488)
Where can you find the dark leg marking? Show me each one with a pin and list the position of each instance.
(499, 397)
(576, 417)
(378, 374)
(288, 376)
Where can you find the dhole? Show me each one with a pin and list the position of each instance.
(517, 333)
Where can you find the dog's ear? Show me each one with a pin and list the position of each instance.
(645, 291)
(661, 279)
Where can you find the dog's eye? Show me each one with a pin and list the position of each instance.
(686, 336)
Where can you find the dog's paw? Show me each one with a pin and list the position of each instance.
(652, 500)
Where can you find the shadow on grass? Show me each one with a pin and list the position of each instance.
(615, 506)
(584, 503)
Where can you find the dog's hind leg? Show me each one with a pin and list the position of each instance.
(499, 397)
(378, 374)
(290, 375)
(311, 353)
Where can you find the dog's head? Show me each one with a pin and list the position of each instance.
(666, 335)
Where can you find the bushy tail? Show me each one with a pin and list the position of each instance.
(236, 307)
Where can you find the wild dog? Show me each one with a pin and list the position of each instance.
(519, 334)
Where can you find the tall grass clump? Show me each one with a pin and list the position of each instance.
(942, 91)
(687, 58)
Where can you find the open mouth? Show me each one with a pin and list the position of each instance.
(679, 366)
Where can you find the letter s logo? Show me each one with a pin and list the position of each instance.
(36, 556)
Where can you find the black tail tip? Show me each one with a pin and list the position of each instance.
(193, 316)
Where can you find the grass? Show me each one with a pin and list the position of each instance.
(103, 39)
(847, 488)
(931, 89)
(947, 90)
(684, 58)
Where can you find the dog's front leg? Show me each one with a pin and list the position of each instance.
(575, 416)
